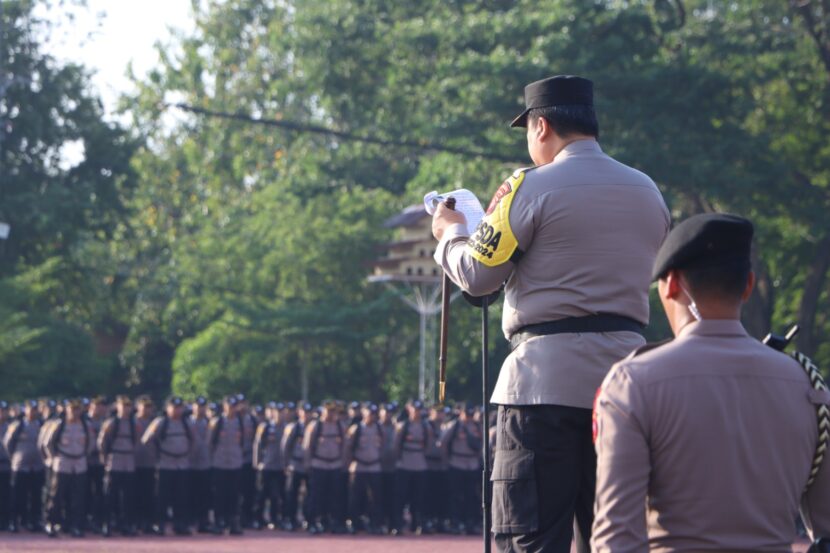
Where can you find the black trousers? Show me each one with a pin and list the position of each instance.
(366, 496)
(26, 490)
(543, 477)
(270, 490)
(226, 496)
(436, 506)
(389, 504)
(119, 497)
(326, 500)
(95, 492)
(201, 497)
(67, 489)
(409, 490)
(293, 482)
(464, 498)
(247, 490)
(145, 496)
(5, 497)
(172, 493)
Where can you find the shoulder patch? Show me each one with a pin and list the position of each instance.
(493, 242)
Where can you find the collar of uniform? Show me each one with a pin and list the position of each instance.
(578, 147)
(713, 327)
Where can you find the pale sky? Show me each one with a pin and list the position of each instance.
(107, 34)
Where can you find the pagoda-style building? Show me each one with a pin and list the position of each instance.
(409, 256)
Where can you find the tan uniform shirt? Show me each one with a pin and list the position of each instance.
(367, 453)
(589, 228)
(21, 443)
(267, 449)
(200, 452)
(706, 443)
(462, 445)
(225, 442)
(327, 453)
(5, 463)
(173, 447)
(146, 455)
(412, 443)
(117, 445)
(70, 447)
(291, 446)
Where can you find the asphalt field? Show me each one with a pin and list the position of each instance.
(251, 542)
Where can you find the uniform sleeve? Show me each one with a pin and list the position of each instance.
(150, 433)
(815, 504)
(623, 467)
(102, 436)
(8, 437)
(257, 454)
(479, 264)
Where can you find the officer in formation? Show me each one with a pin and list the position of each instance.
(709, 442)
(362, 468)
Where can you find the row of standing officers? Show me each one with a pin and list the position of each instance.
(223, 467)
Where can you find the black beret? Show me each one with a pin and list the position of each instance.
(561, 90)
(372, 408)
(200, 400)
(306, 406)
(175, 400)
(704, 240)
(354, 405)
(291, 405)
(4, 404)
(417, 404)
(391, 407)
(231, 400)
(258, 409)
(213, 406)
(240, 397)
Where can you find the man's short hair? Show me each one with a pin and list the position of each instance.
(568, 120)
(725, 280)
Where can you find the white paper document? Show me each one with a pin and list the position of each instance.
(465, 202)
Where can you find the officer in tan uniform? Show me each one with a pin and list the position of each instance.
(145, 467)
(117, 441)
(5, 469)
(574, 238)
(706, 443)
(27, 478)
(269, 464)
(413, 437)
(296, 473)
(69, 443)
(173, 441)
(364, 452)
(323, 445)
(461, 444)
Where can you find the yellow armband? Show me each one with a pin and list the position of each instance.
(493, 242)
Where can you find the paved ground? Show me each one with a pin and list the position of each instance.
(252, 542)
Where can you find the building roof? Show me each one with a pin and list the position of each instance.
(409, 217)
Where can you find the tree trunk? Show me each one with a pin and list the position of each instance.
(813, 287)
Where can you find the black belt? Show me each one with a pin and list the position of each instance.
(602, 322)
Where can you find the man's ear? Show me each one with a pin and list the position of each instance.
(750, 285)
(672, 287)
(543, 129)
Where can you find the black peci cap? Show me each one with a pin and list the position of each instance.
(561, 90)
(704, 240)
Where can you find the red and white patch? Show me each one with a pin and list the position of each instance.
(503, 191)
(594, 422)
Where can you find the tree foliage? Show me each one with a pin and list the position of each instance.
(231, 255)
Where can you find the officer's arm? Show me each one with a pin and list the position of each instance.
(815, 504)
(7, 437)
(479, 264)
(150, 433)
(623, 467)
(102, 435)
